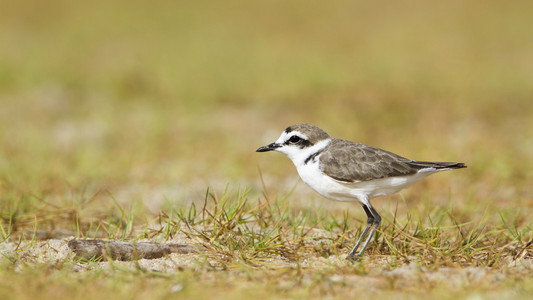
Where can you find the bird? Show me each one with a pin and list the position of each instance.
(347, 171)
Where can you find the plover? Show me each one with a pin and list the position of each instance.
(346, 171)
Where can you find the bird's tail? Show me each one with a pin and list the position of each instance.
(437, 165)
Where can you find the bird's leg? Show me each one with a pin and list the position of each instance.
(370, 220)
(375, 224)
(372, 223)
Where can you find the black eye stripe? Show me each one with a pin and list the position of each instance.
(296, 140)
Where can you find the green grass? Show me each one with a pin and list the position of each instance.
(115, 118)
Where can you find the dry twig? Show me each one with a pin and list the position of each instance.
(98, 249)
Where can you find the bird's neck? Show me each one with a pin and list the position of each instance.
(300, 158)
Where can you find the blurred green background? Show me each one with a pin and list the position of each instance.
(149, 100)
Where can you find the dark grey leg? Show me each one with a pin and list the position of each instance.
(363, 234)
(371, 224)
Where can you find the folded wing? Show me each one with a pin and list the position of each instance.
(362, 162)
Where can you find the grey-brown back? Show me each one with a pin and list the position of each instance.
(350, 162)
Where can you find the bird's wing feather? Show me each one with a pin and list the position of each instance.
(352, 162)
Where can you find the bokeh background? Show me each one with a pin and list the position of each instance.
(154, 101)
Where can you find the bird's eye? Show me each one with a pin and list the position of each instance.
(294, 139)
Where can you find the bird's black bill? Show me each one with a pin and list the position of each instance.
(268, 147)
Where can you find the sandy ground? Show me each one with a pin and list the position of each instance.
(380, 274)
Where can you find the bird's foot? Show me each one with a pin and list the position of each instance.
(353, 258)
